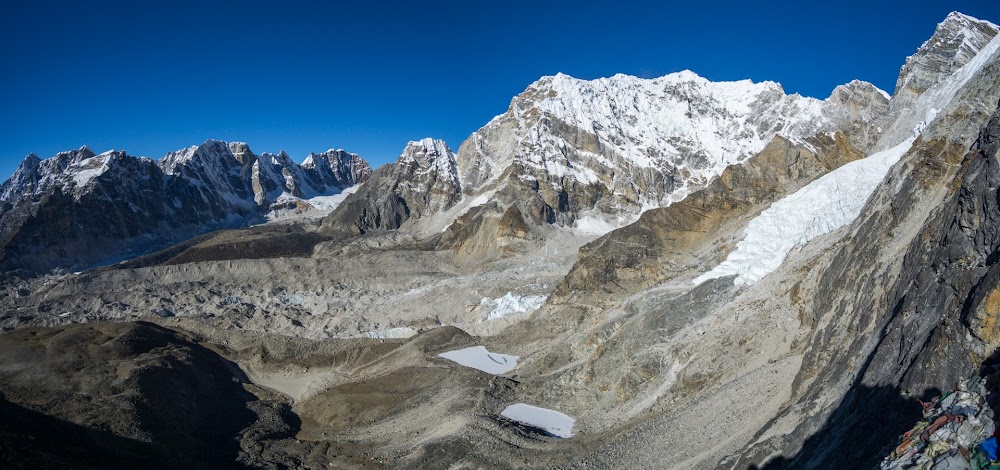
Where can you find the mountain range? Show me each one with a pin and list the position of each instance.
(620, 272)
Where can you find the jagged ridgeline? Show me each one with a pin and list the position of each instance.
(77, 209)
(613, 273)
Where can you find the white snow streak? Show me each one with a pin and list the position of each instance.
(86, 170)
(826, 204)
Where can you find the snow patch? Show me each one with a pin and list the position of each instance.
(512, 303)
(828, 203)
(478, 357)
(392, 333)
(882, 92)
(86, 170)
(550, 421)
(593, 225)
(329, 203)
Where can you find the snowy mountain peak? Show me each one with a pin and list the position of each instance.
(955, 42)
(861, 86)
(958, 20)
(654, 122)
(681, 126)
(187, 192)
(431, 156)
(432, 147)
(30, 161)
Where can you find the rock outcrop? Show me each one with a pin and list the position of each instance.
(423, 181)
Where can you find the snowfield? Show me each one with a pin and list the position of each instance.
(512, 303)
(478, 357)
(392, 333)
(550, 421)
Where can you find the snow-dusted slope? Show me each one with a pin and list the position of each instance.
(680, 123)
(647, 141)
(70, 171)
(233, 171)
(600, 151)
(604, 150)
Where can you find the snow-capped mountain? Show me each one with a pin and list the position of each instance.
(582, 153)
(831, 268)
(233, 170)
(78, 208)
(885, 267)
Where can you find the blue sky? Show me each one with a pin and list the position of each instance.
(150, 77)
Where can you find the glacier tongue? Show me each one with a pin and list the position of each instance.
(832, 201)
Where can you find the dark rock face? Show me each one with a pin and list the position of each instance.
(126, 395)
(78, 209)
(423, 181)
(335, 169)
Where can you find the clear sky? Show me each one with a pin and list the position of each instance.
(368, 76)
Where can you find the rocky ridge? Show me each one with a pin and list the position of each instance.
(77, 209)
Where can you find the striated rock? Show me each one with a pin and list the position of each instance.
(955, 42)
